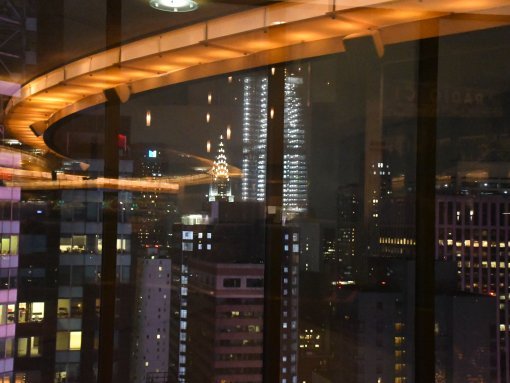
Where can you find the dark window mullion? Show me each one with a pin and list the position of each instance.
(425, 211)
(274, 228)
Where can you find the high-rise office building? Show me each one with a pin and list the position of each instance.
(370, 337)
(465, 352)
(151, 216)
(151, 211)
(473, 231)
(348, 229)
(36, 312)
(80, 258)
(373, 338)
(217, 297)
(295, 181)
(152, 329)
(9, 260)
(212, 272)
(61, 249)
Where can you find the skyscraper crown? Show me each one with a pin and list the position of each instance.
(220, 189)
(220, 167)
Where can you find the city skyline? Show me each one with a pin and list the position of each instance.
(196, 266)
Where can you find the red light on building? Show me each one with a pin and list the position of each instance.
(122, 141)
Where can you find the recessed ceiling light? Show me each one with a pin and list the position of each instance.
(174, 5)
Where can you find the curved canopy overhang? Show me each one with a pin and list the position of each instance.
(262, 36)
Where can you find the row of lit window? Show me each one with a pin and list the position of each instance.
(188, 235)
(485, 264)
(252, 328)
(397, 241)
(467, 243)
(188, 246)
(68, 340)
(29, 347)
(78, 244)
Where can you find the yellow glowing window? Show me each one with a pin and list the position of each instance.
(75, 340)
(9, 244)
(22, 347)
(35, 349)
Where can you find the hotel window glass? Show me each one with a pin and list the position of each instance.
(350, 145)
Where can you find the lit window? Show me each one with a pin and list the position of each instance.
(187, 235)
(30, 312)
(75, 340)
(22, 347)
(35, 349)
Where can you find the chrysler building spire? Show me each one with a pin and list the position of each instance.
(220, 189)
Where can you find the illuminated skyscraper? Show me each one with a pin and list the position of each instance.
(220, 188)
(295, 186)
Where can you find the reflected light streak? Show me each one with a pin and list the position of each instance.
(148, 118)
(107, 69)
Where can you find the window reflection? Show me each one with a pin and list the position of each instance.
(222, 175)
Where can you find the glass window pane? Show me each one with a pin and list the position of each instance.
(75, 340)
(201, 180)
(22, 347)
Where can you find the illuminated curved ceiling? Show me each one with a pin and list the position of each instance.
(261, 36)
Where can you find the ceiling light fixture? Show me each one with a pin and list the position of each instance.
(174, 5)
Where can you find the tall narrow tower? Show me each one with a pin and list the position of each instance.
(220, 188)
(295, 177)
